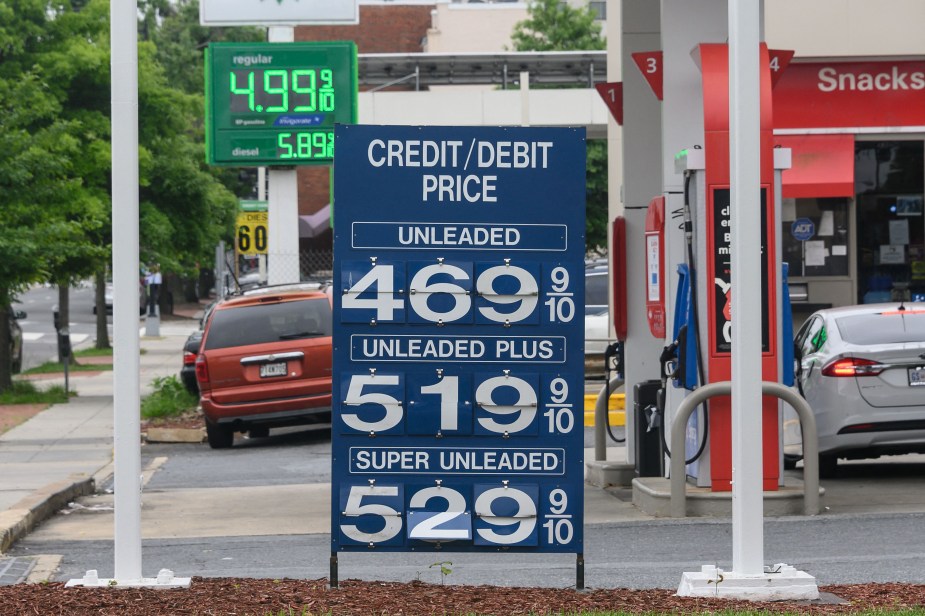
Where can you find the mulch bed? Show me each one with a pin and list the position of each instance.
(11, 415)
(263, 597)
(191, 420)
(96, 360)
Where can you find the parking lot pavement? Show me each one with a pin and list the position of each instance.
(62, 454)
(56, 455)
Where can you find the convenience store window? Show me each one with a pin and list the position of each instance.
(890, 182)
(814, 236)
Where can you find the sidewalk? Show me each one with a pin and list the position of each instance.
(54, 457)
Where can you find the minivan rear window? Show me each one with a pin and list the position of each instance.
(891, 328)
(292, 320)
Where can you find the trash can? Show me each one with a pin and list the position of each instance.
(648, 459)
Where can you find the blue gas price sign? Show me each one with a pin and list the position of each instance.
(458, 339)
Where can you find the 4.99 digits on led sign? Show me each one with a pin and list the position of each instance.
(277, 103)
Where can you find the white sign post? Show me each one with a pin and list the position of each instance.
(749, 579)
(125, 305)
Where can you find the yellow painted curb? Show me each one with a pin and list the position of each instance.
(617, 402)
(617, 415)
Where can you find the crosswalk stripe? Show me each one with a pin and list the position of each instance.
(33, 336)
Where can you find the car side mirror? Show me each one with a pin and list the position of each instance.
(797, 352)
(19, 314)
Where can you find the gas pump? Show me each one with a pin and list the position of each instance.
(700, 345)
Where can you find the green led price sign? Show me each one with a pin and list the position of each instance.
(277, 103)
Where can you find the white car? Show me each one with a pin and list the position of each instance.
(862, 370)
(108, 295)
(597, 320)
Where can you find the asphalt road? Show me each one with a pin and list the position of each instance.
(242, 513)
(39, 336)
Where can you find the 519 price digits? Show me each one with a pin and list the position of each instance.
(504, 404)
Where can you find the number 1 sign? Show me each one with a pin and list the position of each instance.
(458, 339)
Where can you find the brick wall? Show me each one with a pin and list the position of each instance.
(382, 29)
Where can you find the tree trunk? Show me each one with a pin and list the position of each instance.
(102, 332)
(6, 362)
(64, 312)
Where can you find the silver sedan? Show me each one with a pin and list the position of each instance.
(862, 370)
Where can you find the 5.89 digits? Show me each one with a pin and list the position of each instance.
(317, 144)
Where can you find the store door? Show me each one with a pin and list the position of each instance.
(890, 181)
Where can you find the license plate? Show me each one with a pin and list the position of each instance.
(917, 377)
(278, 369)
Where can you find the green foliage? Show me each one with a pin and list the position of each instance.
(95, 352)
(169, 399)
(445, 569)
(25, 392)
(180, 39)
(596, 200)
(553, 25)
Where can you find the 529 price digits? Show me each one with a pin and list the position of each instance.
(505, 515)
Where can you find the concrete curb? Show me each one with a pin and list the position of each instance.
(17, 521)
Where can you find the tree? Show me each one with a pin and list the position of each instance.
(181, 40)
(553, 25)
(38, 149)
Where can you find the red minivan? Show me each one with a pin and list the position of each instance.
(265, 361)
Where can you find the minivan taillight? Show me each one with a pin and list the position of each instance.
(202, 369)
(189, 358)
(852, 366)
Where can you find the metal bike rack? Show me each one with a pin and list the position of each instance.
(601, 418)
(678, 505)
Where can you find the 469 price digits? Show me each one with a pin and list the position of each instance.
(454, 292)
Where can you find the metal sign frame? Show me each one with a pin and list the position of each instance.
(277, 103)
(278, 13)
(458, 340)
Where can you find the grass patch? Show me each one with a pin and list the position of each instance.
(93, 352)
(25, 392)
(53, 367)
(169, 399)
